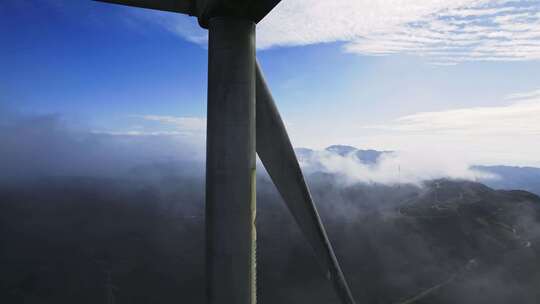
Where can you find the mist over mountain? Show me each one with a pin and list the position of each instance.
(368, 157)
(374, 166)
(70, 239)
(85, 215)
(414, 115)
(39, 146)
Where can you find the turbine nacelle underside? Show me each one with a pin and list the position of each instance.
(254, 10)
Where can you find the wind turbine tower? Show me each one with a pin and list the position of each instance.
(243, 120)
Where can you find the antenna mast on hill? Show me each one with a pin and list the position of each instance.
(243, 120)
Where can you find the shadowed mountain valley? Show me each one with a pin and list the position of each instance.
(141, 240)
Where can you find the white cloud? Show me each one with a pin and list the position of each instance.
(444, 31)
(297, 22)
(525, 96)
(394, 168)
(507, 134)
(189, 128)
(520, 118)
(180, 123)
(134, 133)
(181, 25)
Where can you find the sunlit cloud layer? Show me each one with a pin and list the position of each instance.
(446, 32)
(392, 168)
(162, 125)
(508, 133)
(521, 117)
(188, 124)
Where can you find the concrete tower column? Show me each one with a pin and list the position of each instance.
(230, 162)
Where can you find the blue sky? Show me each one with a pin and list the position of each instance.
(418, 75)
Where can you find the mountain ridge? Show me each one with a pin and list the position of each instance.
(504, 177)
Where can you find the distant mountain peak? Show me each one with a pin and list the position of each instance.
(341, 149)
(369, 156)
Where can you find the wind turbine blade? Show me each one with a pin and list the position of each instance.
(178, 6)
(276, 153)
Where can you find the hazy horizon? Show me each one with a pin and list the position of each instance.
(458, 79)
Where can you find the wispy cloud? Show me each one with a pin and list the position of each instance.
(525, 96)
(184, 26)
(181, 123)
(445, 32)
(519, 118)
(161, 125)
(502, 134)
(392, 168)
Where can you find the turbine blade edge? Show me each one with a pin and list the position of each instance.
(178, 6)
(277, 155)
